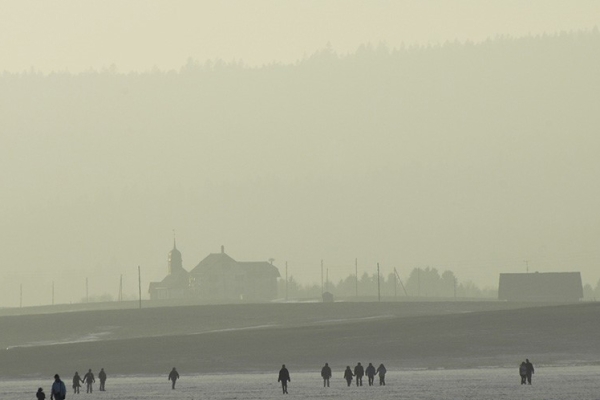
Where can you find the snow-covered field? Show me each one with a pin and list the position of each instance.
(568, 382)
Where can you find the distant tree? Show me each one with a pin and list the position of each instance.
(346, 287)
(292, 286)
(597, 290)
(424, 282)
(387, 286)
(588, 292)
(468, 289)
(448, 283)
(367, 286)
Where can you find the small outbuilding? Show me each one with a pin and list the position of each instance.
(327, 297)
(564, 287)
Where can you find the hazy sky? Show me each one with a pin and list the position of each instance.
(76, 35)
(64, 181)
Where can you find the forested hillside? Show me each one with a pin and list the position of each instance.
(420, 155)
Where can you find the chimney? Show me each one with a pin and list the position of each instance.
(222, 249)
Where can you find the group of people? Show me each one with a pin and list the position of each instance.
(370, 371)
(525, 371)
(326, 374)
(89, 379)
(58, 391)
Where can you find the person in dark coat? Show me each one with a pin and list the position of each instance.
(359, 372)
(40, 395)
(370, 372)
(284, 378)
(348, 375)
(58, 391)
(381, 371)
(173, 376)
(76, 382)
(523, 372)
(530, 370)
(102, 377)
(89, 379)
(326, 374)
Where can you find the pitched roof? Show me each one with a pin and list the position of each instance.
(260, 268)
(180, 279)
(215, 262)
(221, 262)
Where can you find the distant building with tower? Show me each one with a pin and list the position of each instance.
(217, 278)
(176, 284)
(562, 287)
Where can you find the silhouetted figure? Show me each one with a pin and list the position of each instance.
(326, 374)
(102, 377)
(40, 395)
(89, 379)
(381, 371)
(173, 376)
(523, 372)
(370, 372)
(359, 372)
(284, 378)
(58, 390)
(76, 382)
(530, 370)
(348, 375)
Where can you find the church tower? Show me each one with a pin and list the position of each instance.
(175, 263)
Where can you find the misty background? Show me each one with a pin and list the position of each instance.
(470, 149)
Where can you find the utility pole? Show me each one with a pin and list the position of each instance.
(121, 288)
(322, 277)
(286, 281)
(87, 293)
(526, 265)
(356, 272)
(395, 286)
(378, 286)
(400, 280)
(52, 292)
(327, 280)
(140, 285)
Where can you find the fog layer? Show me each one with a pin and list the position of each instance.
(465, 157)
(77, 35)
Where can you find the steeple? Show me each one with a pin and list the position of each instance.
(175, 262)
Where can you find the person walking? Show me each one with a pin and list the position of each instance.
(40, 395)
(58, 391)
(381, 371)
(89, 379)
(102, 377)
(370, 372)
(326, 374)
(173, 376)
(348, 375)
(359, 372)
(284, 378)
(76, 382)
(523, 373)
(530, 370)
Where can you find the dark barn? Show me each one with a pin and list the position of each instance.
(547, 286)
